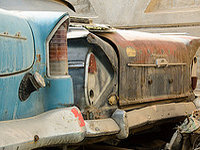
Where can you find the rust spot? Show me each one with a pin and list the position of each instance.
(92, 64)
(18, 34)
(38, 58)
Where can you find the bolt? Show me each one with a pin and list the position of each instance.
(18, 34)
(36, 138)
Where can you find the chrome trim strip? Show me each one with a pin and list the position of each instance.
(154, 65)
(86, 78)
(75, 64)
(13, 36)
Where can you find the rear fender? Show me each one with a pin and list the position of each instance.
(102, 84)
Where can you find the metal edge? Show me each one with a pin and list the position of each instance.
(140, 117)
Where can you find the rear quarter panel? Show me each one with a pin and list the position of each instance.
(29, 58)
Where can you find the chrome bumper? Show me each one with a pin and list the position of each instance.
(154, 113)
(55, 127)
(66, 125)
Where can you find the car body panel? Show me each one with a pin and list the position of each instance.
(38, 26)
(103, 82)
(17, 48)
(152, 67)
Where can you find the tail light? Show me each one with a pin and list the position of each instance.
(58, 61)
(92, 64)
(194, 73)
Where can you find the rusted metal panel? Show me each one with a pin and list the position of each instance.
(140, 117)
(93, 66)
(152, 67)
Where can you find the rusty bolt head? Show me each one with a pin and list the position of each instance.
(18, 34)
(36, 138)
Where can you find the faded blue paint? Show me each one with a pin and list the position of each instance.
(57, 93)
(10, 105)
(15, 54)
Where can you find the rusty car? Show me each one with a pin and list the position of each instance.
(66, 83)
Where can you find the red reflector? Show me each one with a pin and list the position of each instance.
(194, 82)
(58, 51)
(78, 115)
(92, 64)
